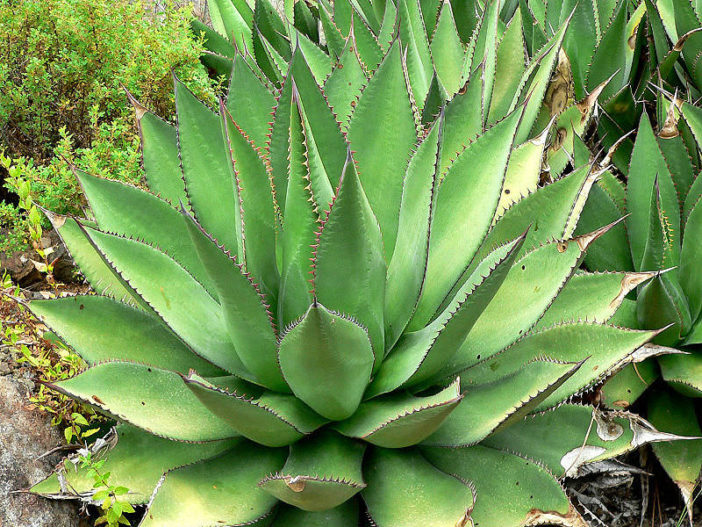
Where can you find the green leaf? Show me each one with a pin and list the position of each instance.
(682, 460)
(345, 83)
(496, 404)
(365, 43)
(485, 51)
(320, 473)
(405, 276)
(233, 19)
(401, 420)
(647, 166)
(256, 207)
(606, 348)
(218, 491)
(319, 62)
(402, 484)
(683, 372)
(413, 35)
(466, 203)
(570, 436)
(202, 151)
(249, 101)
(159, 151)
(381, 156)
(580, 41)
(508, 70)
(246, 317)
(268, 22)
(349, 269)
(520, 302)
(327, 360)
(300, 220)
(332, 33)
(345, 515)
(136, 462)
(447, 50)
(153, 399)
(466, 14)
(97, 270)
(628, 384)
(127, 211)
(267, 418)
(419, 355)
(513, 490)
(172, 293)
(101, 329)
(661, 303)
(690, 258)
(592, 296)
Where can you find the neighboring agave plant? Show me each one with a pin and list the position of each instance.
(663, 231)
(373, 325)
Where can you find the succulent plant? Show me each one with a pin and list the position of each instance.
(307, 322)
(662, 231)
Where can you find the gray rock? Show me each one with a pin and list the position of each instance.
(24, 436)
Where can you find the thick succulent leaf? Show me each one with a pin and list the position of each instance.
(325, 129)
(534, 83)
(203, 152)
(320, 473)
(388, 26)
(404, 489)
(381, 156)
(405, 276)
(159, 153)
(693, 117)
(580, 41)
(100, 329)
(300, 220)
(488, 407)
(344, 84)
(660, 303)
(413, 35)
(153, 399)
(436, 98)
(466, 14)
(267, 418)
(345, 515)
(662, 249)
(367, 46)
(327, 360)
(447, 50)
(232, 20)
(268, 22)
(605, 347)
(523, 173)
(401, 420)
(101, 276)
(611, 54)
(683, 372)
(648, 166)
(419, 355)
(466, 203)
(319, 62)
(334, 36)
(349, 269)
(257, 212)
(137, 461)
(551, 212)
(245, 314)
(606, 203)
(216, 45)
(172, 293)
(690, 258)
(682, 460)
(570, 436)
(220, 491)
(628, 384)
(131, 212)
(249, 101)
(592, 296)
(464, 116)
(512, 490)
(485, 51)
(520, 302)
(508, 70)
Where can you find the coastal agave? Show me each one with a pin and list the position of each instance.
(662, 231)
(305, 322)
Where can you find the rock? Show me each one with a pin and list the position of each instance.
(24, 436)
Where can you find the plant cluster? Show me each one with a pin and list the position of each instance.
(63, 65)
(351, 293)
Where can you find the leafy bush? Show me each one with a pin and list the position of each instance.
(63, 69)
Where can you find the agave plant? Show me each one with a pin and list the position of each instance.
(662, 231)
(306, 323)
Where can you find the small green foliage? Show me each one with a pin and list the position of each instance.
(110, 498)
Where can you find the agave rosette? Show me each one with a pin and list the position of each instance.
(304, 322)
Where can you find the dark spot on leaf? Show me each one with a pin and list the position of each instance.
(523, 267)
(478, 357)
(148, 369)
(82, 307)
(143, 403)
(506, 191)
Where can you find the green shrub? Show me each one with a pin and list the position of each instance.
(63, 66)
